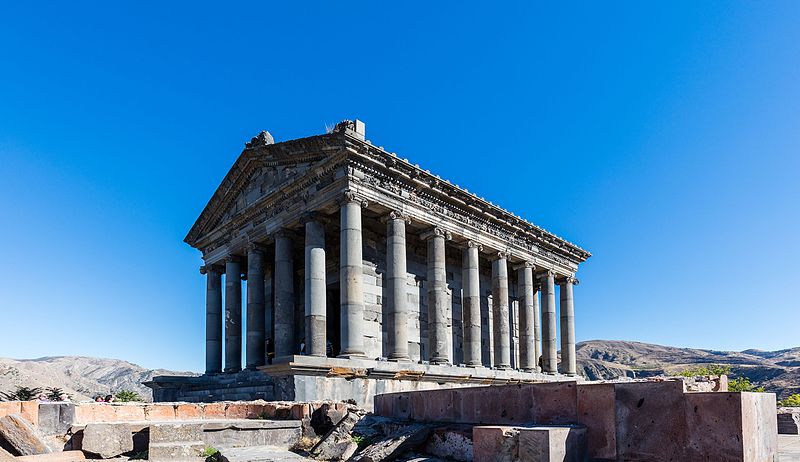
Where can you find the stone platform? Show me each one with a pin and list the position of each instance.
(312, 378)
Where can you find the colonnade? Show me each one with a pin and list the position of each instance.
(530, 282)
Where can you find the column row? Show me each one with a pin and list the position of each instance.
(531, 331)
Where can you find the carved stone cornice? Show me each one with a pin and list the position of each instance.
(436, 231)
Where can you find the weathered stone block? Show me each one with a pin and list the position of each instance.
(177, 432)
(553, 403)
(29, 410)
(9, 407)
(214, 411)
(596, 411)
(159, 412)
(789, 421)
(66, 456)
(495, 443)
(451, 444)
(552, 444)
(759, 426)
(107, 440)
(188, 411)
(18, 434)
(56, 418)
(185, 451)
(129, 412)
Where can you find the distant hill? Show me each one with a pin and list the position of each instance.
(777, 371)
(80, 376)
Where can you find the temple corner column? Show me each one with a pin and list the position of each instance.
(213, 318)
(567, 311)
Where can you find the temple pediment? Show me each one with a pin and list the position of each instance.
(262, 169)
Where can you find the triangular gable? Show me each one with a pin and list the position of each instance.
(260, 170)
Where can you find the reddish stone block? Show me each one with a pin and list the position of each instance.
(188, 411)
(494, 443)
(159, 412)
(129, 412)
(759, 426)
(505, 404)
(29, 410)
(650, 420)
(9, 407)
(301, 411)
(236, 411)
(555, 403)
(214, 410)
(596, 411)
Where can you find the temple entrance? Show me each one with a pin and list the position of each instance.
(334, 321)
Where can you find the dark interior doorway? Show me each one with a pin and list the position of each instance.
(334, 321)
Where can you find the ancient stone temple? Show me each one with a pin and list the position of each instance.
(345, 271)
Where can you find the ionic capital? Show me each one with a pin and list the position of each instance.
(232, 258)
(349, 196)
(474, 245)
(398, 215)
(525, 264)
(546, 274)
(502, 255)
(255, 247)
(285, 233)
(313, 217)
(437, 232)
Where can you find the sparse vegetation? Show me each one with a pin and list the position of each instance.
(711, 369)
(212, 454)
(361, 441)
(56, 394)
(127, 396)
(743, 384)
(791, 401)
(21, 394)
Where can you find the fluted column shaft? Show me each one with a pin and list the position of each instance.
(500, 313)
(471, 303)
(233, 315)
(351, 277)
(437, 298)
(549, 353)
(567, 309)
(396, 274)
(256, 316)
(285, 343)
(528, 356)
(315, 287)
(213, 320)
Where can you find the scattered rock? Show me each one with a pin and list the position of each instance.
(451, 443)
(324, 418)
(107, 440)
(19, 435)
(338, 443)
(388, 448)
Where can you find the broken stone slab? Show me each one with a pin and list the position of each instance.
(259, 454)
(451, 443)
(338, 443)
(388, 448)
(495, 443)
(107, 440)
(20, 436)
(66, 456)
(176, 432)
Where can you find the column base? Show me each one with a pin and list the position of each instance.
(233, 370)
(400, 359)
(352, 356)
(440, 362)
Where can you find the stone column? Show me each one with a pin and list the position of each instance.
(500, 312)
(351, 276)
(396, 275)
(549, 353)
(213, 319)
(315, 287)
(537, 326)
(471, 303)
(567, 308)
(233, 315)
(437, 297)
(285, 343)
(528, 356)
(256, 316)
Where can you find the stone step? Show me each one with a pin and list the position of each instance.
(259, 454)
(176, 451)
(557, 443)
(66, 456)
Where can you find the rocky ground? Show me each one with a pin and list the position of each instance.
(81, 377)
(777, 371)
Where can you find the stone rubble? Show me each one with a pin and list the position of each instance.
(107, 440)
(19, 435)
(408, 438)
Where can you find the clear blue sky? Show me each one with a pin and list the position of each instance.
(663, 137)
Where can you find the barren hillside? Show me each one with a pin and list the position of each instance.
(80, 376)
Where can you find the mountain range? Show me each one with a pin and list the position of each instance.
(85, 377)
